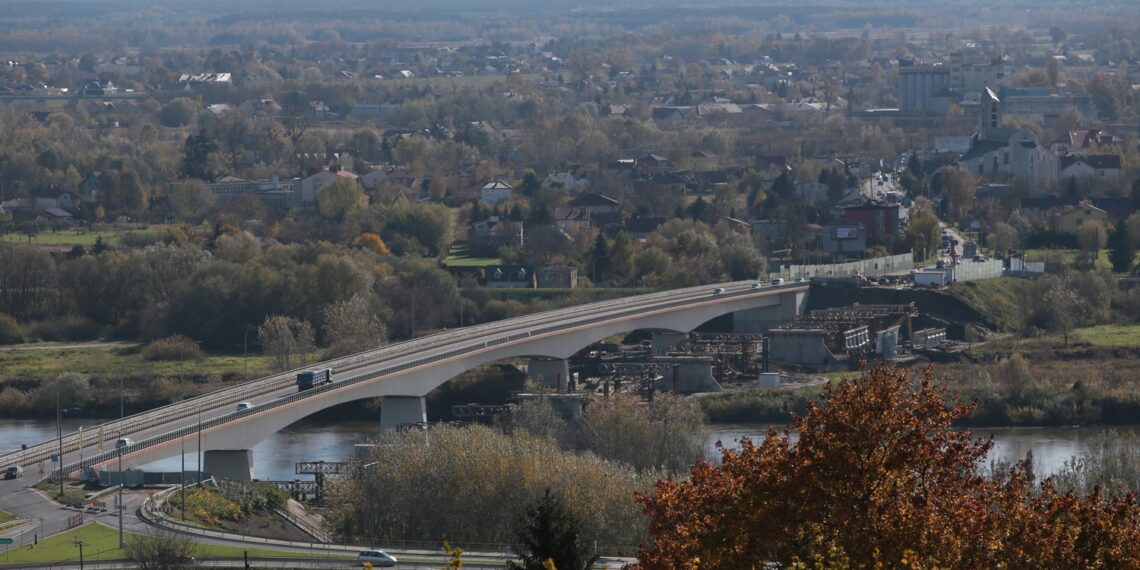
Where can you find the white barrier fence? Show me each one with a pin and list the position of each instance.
(865, 267)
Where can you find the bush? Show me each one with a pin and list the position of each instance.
(10, 331)
(175, 347)
(70, 328)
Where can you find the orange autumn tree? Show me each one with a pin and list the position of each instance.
(878, 478)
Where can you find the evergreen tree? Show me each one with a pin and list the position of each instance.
(549, 532)
(1122, 249)
(783, 187)
(600, 258)
(914, 165)
(196, 156)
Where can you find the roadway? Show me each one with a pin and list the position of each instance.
(178, 424)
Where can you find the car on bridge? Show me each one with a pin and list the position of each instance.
(376, 558)
(718, 291)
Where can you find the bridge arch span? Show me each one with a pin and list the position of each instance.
(417, 374)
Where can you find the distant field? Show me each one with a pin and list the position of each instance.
(38, 359)
(70, 237)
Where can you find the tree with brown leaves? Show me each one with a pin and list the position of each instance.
(879, 478)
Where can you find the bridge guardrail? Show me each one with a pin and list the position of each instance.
(589, 317)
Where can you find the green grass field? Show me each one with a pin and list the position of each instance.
(5, 516)
(38, 359)
(1108, 335)
(102, 543)
(1066, 255)
(72, 237)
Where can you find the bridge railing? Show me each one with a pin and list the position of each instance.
(593, 313)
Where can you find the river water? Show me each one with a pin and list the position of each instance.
(273, 458)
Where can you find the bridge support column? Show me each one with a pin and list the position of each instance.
(232, 464)
(397, 410)
(663, 341)
(764, 318)
(550, 372)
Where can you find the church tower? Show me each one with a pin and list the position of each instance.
(991, 114)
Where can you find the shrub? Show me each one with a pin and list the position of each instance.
(69, 328)
(175, 347)
(10, 331)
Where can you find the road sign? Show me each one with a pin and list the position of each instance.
(5, 541)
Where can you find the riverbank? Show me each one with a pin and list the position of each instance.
(1094, 380)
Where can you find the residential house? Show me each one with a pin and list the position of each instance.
(189, 81)
(487, 236)
(881, 221)
(98, 186)
(1117, 207)
(510, 277)
(311, 184)
(492, 193)
(673, 116)
(652, 163)
(844, 239)
(595, 204)
(373, 179)
(639, 228)
(566, 180)
(56, 198)
(1104, 168)
(1091, 139)
(557, 277)
(1070, 219)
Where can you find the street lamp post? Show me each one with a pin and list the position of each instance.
(59, 433)
(199, 479)
(182, 476)
(122, 482)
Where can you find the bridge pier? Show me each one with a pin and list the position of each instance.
(397, 410)
(764, 318)
(550, 372)
(232, 464)
(664, 340)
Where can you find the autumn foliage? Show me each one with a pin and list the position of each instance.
(879, 478)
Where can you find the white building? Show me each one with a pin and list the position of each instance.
(494, 192)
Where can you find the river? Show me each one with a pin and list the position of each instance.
(273, 458)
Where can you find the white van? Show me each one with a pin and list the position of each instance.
(124, 442)
(243, 406)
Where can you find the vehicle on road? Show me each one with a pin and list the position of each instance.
(13, 472)
(243, 406)
(718, 291)
(124, 442)
(376, 558)
(312, 378)
(756, 286)
(800, 279)
(777, 281)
